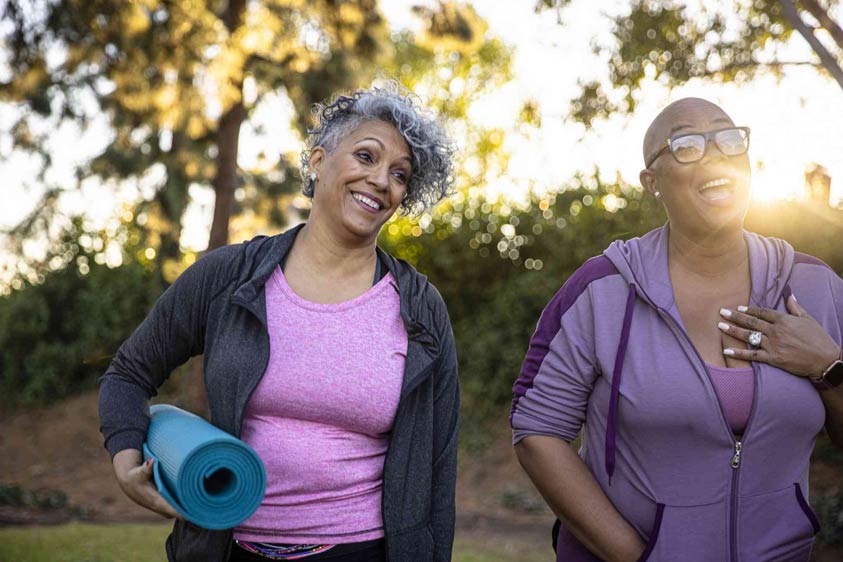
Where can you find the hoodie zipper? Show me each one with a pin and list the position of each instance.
(737, 444)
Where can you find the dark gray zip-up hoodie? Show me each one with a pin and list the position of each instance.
(217, 307)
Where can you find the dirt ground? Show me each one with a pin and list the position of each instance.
(60, 448)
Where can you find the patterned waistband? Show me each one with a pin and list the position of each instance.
(283, 551)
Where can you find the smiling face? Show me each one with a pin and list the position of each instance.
(361, 182)
(703, 197)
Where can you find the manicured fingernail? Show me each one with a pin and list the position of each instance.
(742, 308)
(725, 312)
(723, 326)
(728, 352)
(149, 461)
(794, 297)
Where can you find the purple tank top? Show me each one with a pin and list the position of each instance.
(734, 387)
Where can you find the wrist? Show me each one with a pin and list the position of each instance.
(827, 361)
(832, 375)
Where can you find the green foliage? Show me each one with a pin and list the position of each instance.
(498, 265)
(58, 334)
(174, 81)
(15, 496)
(673, 41)
(170, 77)
(829, 510)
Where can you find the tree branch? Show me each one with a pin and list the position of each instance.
(771, 64)
(827, 60)
(821, 15)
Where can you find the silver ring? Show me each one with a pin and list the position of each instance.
(754, 339)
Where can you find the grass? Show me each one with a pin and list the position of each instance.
(79, 542)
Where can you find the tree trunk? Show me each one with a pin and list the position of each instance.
(228, 139)
(821, 15)
(225, 182)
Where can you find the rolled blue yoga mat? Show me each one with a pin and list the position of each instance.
(211, 478)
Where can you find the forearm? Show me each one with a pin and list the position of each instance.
(576, 498)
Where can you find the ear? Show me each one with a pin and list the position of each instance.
(648, 181)
(317, 155)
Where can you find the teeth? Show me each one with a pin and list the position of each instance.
(366, 201)
(715, 183)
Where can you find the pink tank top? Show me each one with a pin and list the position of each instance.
(322, 414)
(735, 388)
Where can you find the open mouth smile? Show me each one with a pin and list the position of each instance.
(717, 190)
(367, 202)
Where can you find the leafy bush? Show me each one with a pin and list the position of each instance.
(15, 496)
(497, 266)
(57, 336)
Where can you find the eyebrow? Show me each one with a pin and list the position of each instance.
(372, 139)
(684, 126)
(407, 158)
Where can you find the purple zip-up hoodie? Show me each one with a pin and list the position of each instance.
(611, 357)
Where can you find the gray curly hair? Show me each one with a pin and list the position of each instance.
(430, 147)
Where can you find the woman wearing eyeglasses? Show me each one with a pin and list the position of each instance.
(697, 379)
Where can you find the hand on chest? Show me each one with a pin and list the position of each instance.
(698, 302)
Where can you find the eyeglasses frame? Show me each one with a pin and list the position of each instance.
(708, 137)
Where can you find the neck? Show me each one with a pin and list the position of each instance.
(709, 256)
(330, 254)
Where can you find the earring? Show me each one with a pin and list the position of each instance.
(657, 194)
(312, 176)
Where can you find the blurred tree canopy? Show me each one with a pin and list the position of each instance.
(673, 41)
(177, 80)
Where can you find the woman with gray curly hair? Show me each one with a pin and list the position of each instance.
(333, 360)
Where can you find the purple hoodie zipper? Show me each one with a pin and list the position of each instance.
(615, 391)
(738, 445)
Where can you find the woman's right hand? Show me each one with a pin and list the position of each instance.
(135, 479)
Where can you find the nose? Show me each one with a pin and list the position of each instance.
(713, 153)
(379, 178)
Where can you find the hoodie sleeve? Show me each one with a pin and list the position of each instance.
(813, 281)
(559, 371)
(172, 333)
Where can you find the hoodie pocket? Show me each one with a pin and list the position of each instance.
(569, 549)
(690, 533)
(806, 508)
(777, 526)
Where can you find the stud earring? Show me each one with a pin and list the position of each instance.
(312, 176)
(657, 194)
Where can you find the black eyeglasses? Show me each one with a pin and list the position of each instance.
(692, 147)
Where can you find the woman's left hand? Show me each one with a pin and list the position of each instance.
(793, 342)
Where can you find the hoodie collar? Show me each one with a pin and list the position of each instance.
(643, 262)
(264, 254)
